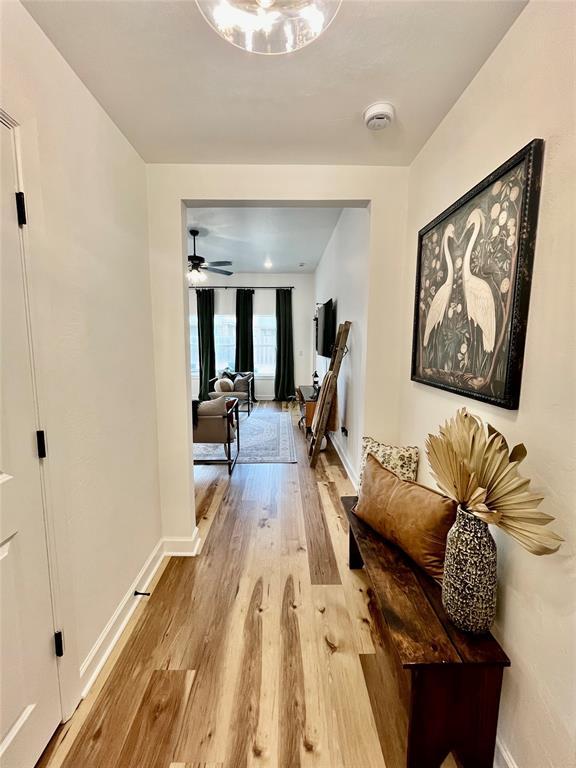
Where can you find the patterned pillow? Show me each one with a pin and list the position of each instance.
(242, 383)
(402, 461)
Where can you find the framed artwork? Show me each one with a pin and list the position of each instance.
(473, 279)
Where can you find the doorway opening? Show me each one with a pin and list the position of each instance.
(285, 261)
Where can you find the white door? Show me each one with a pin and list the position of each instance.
(29, 698)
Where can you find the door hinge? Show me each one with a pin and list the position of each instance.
(59, 643)
(41, 443)
(21, 208)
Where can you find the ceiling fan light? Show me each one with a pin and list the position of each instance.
(269, 26)
(195, 276)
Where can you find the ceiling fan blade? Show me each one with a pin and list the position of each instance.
(218, 271)
(218, 263)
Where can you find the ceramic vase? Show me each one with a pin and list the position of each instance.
(470, 577)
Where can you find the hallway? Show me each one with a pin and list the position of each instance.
(260, 651)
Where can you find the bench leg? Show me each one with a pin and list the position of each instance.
(432, 720)
(476, 742)
(454, 710)
(354, 557)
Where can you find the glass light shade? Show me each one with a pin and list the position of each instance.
(196, 276)
(269, 26)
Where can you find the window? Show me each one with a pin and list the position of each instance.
(224, 341)
(264, 345)
(225, 344)
(194, 351)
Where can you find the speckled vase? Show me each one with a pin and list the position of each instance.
(470, 577)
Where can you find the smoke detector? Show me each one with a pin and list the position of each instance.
(378, 115)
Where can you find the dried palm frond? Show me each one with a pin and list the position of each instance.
(474, 467)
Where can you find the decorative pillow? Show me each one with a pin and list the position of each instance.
(241, 383)
(402, 460)
(415, 518)
(215, 407)
(224, 385)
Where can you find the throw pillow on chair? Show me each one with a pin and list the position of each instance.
(224, 386)
(242, 383)
(212, 407)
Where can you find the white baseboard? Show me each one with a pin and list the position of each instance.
(347, 466)
(503, 758)
(187, 546)
(102, 648)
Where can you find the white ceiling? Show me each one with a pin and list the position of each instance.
(247, 236)
(181, 94)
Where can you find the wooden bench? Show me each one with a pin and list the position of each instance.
(439, 688)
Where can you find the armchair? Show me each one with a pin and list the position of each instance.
(218, 422)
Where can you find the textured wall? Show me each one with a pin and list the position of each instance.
(168, 186)
(87, 211)
(524, 91)
(342, 275)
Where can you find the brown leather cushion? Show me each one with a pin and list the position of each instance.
(415, 518)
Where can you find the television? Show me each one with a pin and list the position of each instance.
(325, 328)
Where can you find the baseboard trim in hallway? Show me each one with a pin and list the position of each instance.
(104, 645)
(344, 458)
(503, 758)
(183, 547)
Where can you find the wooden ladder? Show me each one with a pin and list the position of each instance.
(326, 396)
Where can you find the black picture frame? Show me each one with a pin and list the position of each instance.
(463, 341)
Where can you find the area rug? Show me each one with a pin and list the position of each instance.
(266, 437)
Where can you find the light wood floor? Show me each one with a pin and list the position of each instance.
(256, 653)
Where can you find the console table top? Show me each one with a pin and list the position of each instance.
(411, 605)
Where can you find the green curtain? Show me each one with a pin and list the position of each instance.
(244, 331)
(284, 388)
(205, 304)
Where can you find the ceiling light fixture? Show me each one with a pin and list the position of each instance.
(195, 276)
(198, 266)
(268, 263)
(269, 26)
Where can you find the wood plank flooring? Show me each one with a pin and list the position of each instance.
(260, 652)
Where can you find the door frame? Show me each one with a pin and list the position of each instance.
(26, 147)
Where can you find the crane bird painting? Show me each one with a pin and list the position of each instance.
(473, 282)
(441, 299)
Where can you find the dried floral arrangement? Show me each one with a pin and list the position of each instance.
(474, 466)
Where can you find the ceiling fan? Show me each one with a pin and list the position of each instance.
(198, 266)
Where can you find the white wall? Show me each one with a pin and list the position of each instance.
(88, 242)
(265, 304)
(525, 90)
(342, 275)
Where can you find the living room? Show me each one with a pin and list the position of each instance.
(316, 251)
